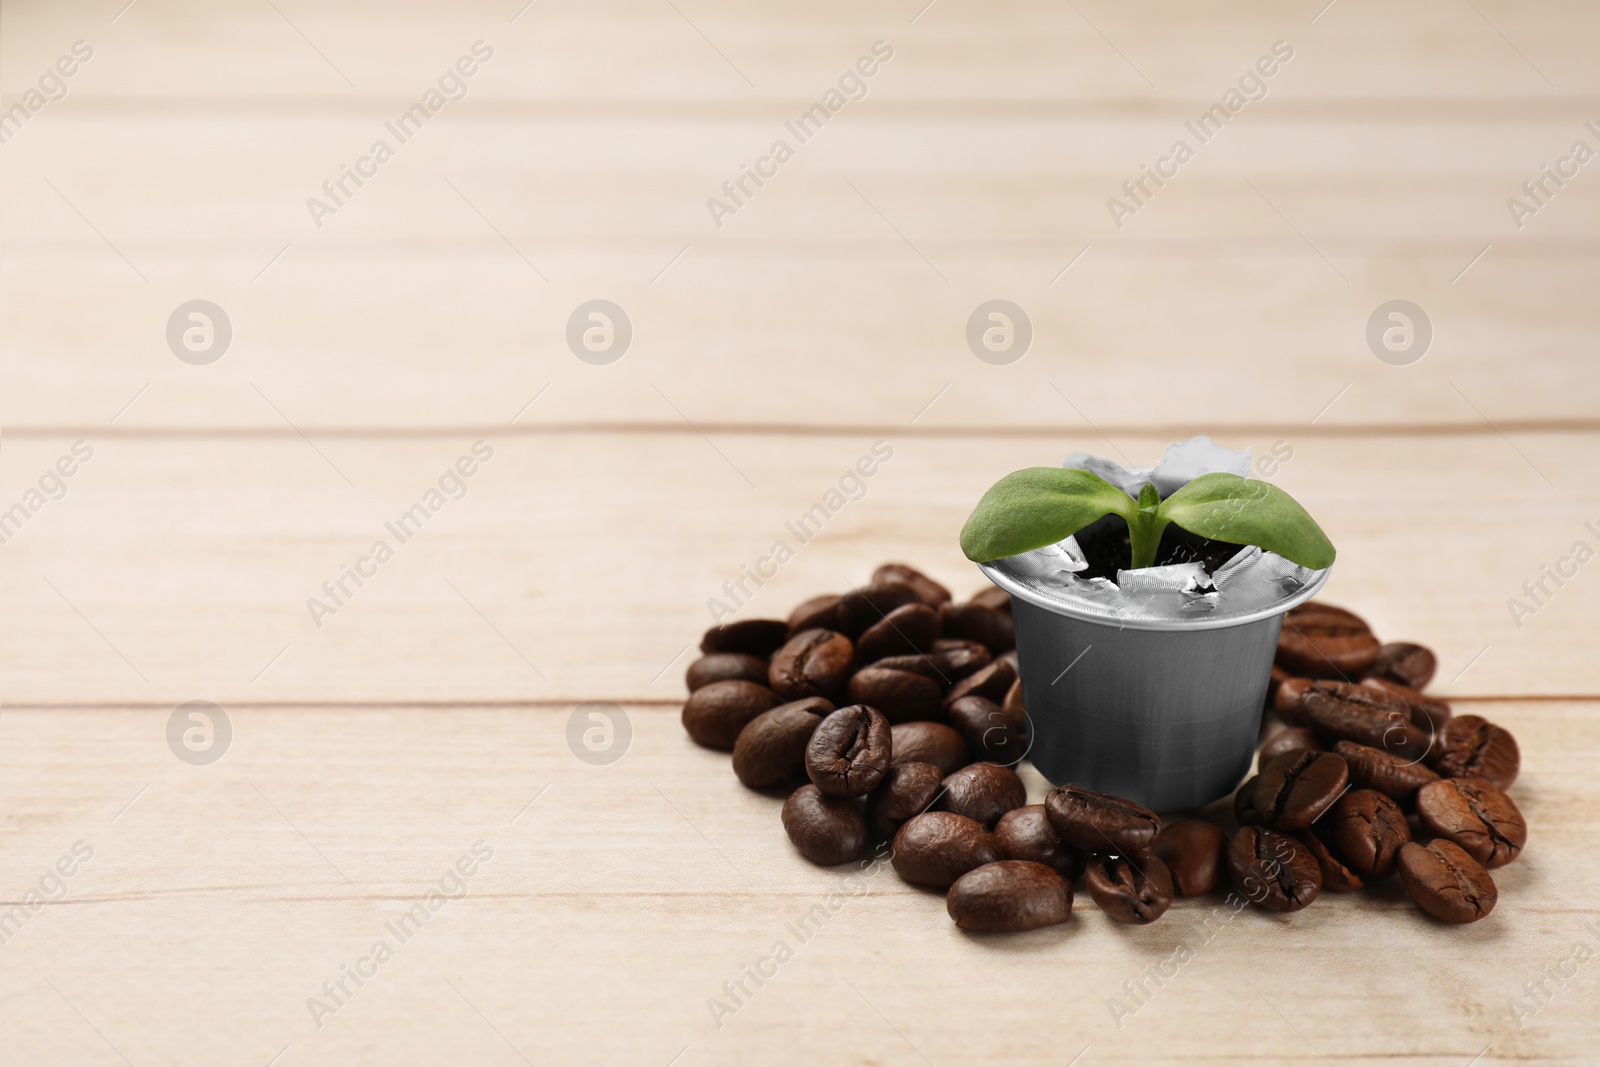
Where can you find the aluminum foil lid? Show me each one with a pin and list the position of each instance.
(1252, 584)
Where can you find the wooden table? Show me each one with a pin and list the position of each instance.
(426, 712)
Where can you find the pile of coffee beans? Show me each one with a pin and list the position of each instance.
(901, 712)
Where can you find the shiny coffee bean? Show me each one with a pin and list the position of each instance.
(1195, 852)
(1013, 703)
(1100, 822)
(1336, 877)
(1475, 815)
(1290, 697)
(1473, 747)
(947, 663)
(1295, 788)
(1367, 829)
(990, 731)
(1339, 711)
(1446, 882)
(1391, 775)
(1409, 665)
(866, 605)
(991, 683)
(1244, 800)
(907, 790)
(812, 663)
(930, 742)
(1429, 714)
(928, 591)
(1290, 739)
(991, 627)
(900, 695)
(906, 631)
(715, 714)
(937, 847)
(1009, 896)
(1272, 869)
(1322, 641)
(1130, 889)
(772, 748)
(982, 792)
(818, 613)
(827, 830)
(849, 752)
(992, 597)
(1278, 677)
(725, 667)
(1025, 833)
(753, 637)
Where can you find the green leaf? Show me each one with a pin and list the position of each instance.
(1039, 506)
(1226, 507)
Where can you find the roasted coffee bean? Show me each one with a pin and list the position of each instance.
(1391, 775)
(773, 747)
(991, 683)
(1272, 869)
(905, 631)
(715, 714)
(1012, 704)
(1295, 788)
(754, 637)
(1336, 877)
(849, 752)
(929, 591)
(992, 597)
(1009, 896)
(1195, 852)
(812, 663)
(907, 790)
(1290, 697)
(937, 847)
(1368, 829)
(1099, 822)
(865, 605)
(1277, 678)
(725, 667)
(1290, 739)
(1475, 815)
(1429, 714)
(947, 663)
(1130, 889)
(930, 742)
(1025, 833)
(827, 830)
(1474, 747)
(1244, 799)
(819, 613)
(1322, 641)
(982, 792)
(975, 622)
(900, 695)
(990, 731)
(1409, 665)
(1446, 882)
(1339, 711)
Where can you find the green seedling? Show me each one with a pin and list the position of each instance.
(1031, 508)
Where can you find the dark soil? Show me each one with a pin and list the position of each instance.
(1105, 546)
